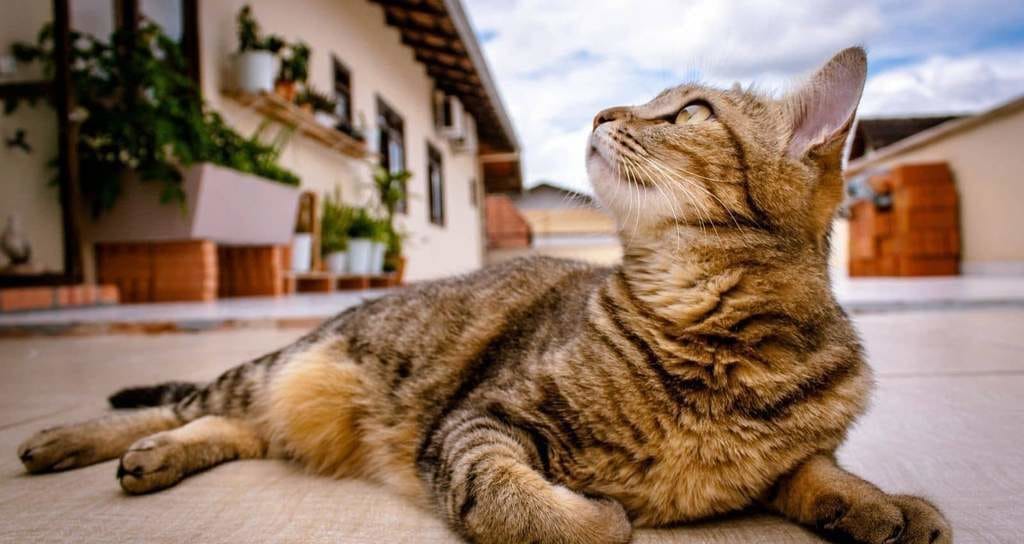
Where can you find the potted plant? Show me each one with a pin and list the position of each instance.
(334, 231)
(146, 139)
(361, 232)
(256, 63)
(319, 104)
(294, 71)
(390, 191)
(380, 237)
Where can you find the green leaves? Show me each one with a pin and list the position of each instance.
(146, 115)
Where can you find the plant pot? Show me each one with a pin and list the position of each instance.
(255, 71)
(287, 90)
(325, 119)
(221, 205)
(337, 262)
(379, 250)
(302, 252)
(360, 256)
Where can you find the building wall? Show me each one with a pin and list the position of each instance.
(355, 31)
(380, 64)
(25, 178)
(988, 169)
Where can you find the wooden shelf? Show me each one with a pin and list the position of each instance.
(282, 111)
(326, 282)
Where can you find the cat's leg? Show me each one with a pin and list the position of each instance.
(822, 495)
(101, 439)
(485, 478)
(165, 458)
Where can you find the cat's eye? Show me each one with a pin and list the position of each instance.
(693, 113)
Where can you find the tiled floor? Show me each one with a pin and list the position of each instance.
(859, 295)
(947, 422)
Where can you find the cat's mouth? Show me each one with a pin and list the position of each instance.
(618, 154)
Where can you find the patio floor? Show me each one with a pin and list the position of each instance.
(946, 423)
(303, 310)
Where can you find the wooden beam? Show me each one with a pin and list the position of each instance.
(67, 140)
(404, 23)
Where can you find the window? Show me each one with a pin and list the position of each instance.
(180, 20)
(435, 185)
(391, 144)
(342, 93)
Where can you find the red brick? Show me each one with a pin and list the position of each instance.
(929, 266)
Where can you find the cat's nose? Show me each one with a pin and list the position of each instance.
(610, 114)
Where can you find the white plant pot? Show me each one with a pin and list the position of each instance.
(222, 205)
(302, 252)
(360, 256)
(325, 119)
(337, 262)
(379, 250)
(255, 71)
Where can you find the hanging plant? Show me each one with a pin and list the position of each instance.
(138, 111)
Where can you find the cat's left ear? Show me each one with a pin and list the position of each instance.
(822, 109)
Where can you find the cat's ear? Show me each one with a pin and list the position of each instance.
(821, 110)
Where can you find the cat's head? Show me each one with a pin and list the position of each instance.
(703, 157)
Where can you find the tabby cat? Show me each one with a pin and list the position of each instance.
(553, 401)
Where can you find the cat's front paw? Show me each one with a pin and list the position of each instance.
(152, 464)
(55, 449)
(864, 519)
(925, 524)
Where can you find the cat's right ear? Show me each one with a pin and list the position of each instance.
(821, 111)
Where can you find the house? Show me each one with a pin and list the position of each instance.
(983, 153)
(561, 223)
(391, 65)
(874, 133)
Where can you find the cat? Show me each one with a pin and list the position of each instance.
(547, 400)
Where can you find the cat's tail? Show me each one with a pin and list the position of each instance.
(153, 395)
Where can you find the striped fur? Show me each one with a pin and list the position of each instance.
(553, 401)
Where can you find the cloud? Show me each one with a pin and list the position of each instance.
(941, 84)
(558, 62)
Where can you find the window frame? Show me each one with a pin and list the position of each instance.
(339, 67)
(391, 127)
(435, 165)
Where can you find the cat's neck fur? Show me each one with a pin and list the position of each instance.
(705, 281)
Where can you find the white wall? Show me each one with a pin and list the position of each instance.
(24, 178)
(380, 64)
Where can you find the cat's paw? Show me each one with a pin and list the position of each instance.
(865, 519)
(925, 524)
(152, 464)
(596, 520)
(57, 448)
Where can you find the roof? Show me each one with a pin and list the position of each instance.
(934, 134)
(443, 40)
(549, 196)
(879, 132)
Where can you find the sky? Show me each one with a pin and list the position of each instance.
(558, 62)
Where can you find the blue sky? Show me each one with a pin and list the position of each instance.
(557, 62)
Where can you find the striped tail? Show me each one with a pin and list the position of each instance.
(154, 395)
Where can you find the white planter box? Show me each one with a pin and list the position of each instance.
(255, 71)
(302, 252)
(360, 256)
(337, 262)
(221, 205)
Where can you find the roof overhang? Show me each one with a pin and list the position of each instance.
(931, 135)
(439, 33)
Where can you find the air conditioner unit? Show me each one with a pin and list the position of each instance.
(467, 143)
(452, 123)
